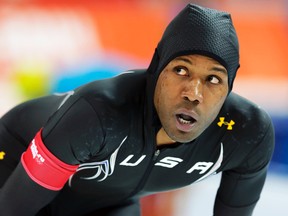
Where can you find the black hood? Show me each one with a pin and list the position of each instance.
(199, 30)
(196, 30)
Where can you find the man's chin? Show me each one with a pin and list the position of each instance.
(183, 138)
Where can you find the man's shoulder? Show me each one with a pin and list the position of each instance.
(249, 118)
(251, 130)
(119, 89)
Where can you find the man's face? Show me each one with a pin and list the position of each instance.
(189, 94)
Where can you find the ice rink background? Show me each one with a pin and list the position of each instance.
(52, 46)
(198, 199)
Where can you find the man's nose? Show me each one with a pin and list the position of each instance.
(193, 91)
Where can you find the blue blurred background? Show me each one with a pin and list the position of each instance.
(52, 46)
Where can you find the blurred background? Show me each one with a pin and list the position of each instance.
(49, 46)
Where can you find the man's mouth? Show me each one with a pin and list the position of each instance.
(185, 121)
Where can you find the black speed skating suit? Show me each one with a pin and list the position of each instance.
(111, 134)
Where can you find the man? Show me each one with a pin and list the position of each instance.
(101, 147)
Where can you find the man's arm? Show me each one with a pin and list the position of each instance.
(35, 181)
(22, 196)
(240, 188)
(238, 194)
(41, 173)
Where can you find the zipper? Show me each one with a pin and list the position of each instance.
(141, 185)
(150, 166)
(156, 154)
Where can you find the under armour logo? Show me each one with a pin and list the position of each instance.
(2, 154)
(228, 124)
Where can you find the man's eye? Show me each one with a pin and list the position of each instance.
(214, 80)
(181, 71)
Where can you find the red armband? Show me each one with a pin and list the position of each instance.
(43, 167)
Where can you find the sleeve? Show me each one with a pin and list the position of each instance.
(22, 196)
(69, 138)
(75, 132)
(240, 188)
